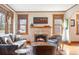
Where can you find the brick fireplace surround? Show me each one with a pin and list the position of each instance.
(40, 30)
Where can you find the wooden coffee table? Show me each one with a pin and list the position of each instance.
(39, 43)
(36, 43)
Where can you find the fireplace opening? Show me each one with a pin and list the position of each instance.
(41, 38)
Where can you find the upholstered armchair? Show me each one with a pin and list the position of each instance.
(56, 41)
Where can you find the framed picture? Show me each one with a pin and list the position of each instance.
(72, 22)
(40, 20)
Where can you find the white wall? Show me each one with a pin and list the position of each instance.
(40, 14)
(71, 14)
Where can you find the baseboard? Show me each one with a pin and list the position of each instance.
(66, 42)
(71, 43)
(74, 41)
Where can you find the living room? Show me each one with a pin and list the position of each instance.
(39, 29)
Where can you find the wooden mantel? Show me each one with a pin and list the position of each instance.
(40, 26)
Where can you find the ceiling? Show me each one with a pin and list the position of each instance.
(41, 7)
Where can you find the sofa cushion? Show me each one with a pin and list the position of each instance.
(13, 37)
(19, 43)
(7, 49)
(2, 41)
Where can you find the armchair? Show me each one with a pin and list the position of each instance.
(56, 41)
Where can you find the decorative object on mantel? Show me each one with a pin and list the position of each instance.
(72, 22)
(40, 20)
(32, 24)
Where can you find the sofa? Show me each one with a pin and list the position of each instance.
(6, 49)
(9, 43)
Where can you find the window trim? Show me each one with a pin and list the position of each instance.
(6, 24)
(26, 23)
(77, 24)
(8, 13)
(62, 17)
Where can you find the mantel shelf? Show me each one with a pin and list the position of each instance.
(40, 26)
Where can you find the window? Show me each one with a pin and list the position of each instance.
(2, 22)
(77, 24)
(6, 20)
(22, 24)
(57, 24)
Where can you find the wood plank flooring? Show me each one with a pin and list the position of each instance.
(71, 49)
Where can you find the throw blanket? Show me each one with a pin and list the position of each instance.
(19, 43)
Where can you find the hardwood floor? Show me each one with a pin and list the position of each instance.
(71, 49)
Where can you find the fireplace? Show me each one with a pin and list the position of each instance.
(37, 31)
(40, 38)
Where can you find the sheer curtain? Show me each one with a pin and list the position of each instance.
(2, 22)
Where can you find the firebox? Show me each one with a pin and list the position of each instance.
(40, 38)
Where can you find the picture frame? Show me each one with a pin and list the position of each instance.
(72, 22)
(40, 20)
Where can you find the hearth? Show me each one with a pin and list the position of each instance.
(40, 38)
